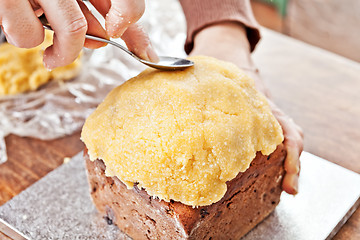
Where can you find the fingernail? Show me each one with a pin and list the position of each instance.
(151, 54)
(295, 184)
(94, 44)
(290, 183)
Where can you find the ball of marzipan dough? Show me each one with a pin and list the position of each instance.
(182, 135)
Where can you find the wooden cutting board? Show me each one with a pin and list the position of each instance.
(30, 159)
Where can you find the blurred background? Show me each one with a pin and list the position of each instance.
(330, 24)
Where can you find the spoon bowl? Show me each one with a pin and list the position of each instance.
(169, 63)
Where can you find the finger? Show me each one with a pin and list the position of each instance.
(293, 140)
(39, 12)
(94, 28)
(139, 43)
(37, 8)
(290, 183)
(69, 26)
(103, 6)
(122, 14)
(293, 143)
(294, 146)
(20, 24)
(292, 162)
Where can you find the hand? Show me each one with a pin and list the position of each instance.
(71, 20)
(228, 41)
(294, 145)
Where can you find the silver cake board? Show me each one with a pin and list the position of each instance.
(59, 206)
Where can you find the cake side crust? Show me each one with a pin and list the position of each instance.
(250, 197)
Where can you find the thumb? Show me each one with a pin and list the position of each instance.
(122, 14)
(139, 43)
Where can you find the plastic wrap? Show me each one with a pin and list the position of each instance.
(60, 108)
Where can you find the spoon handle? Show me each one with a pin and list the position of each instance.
(2, 37)
(87, 36)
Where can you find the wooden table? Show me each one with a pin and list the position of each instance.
(320, 91)
(316, 88)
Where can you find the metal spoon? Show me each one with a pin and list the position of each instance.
(2, 37)
(165, 63)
